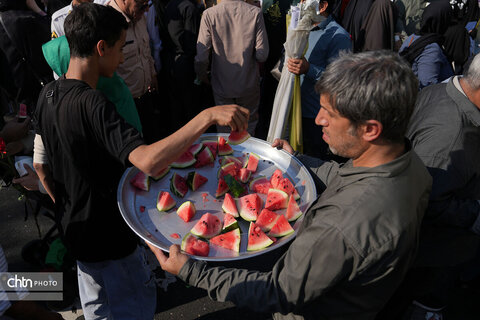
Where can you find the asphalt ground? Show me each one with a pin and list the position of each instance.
(177, 300)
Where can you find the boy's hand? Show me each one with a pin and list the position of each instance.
(174, 262)
(232, 115)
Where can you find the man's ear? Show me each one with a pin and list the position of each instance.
(322, 6)
(101, 45)
(371, 130)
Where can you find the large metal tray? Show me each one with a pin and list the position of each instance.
(157, 227)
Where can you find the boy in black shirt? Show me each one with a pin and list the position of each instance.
(88, 146)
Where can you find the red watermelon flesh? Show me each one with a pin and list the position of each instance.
(276, 199)
(141, 181)
(221, 141)
(281, 228)
(195, 180)
(223, 147)
(250, 206)
(161, 174)
(236, 137)
(266, 220)
(212, 145)
(286, 185)
(276, 177)
(178, 185)
(185, 160)
(195, 246)
(244, 174)
(257, 239)
(230, 168)
(229, 223)
(229, 205)
(207, 227)
(222, 188)
(260, 185)
(235, 160)
(204, 157)
(165, 201)
(229, 240)
(195, 148)
(293, 210)
(252, 163)
(186, 211)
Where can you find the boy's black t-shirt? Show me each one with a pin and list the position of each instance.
(87, 144)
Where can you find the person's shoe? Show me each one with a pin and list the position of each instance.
(418, 311)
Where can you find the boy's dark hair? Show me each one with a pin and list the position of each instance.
(89, 23)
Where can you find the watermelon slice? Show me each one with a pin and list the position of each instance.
(276, 199)
(250, 206)
(207, 227)
(229, 223)
(252, 162)
(229, 240)
(281, 228)
(257, 239)
(194, 246)
(235, 160)
(204, 157)
(236, 137)
(293, 210)
(276, 177)
(229, 205)
(229, 168)
(223, 147)
(244, 175)
(266, 220)
(186, 211)
(161, 174)
(178, 185)
(260, 185)
(222, 188)
(195, 180)
(165, 201)
(212, 145)
(195, 148)
(141, 181)
(185, 160)
(235, 187)
(285, 185)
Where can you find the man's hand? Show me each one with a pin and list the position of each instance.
(282, 144)
(14, 130)
(28, 181)
(231, 115)
(298, 66)
(174, 262)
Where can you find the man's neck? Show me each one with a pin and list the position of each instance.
(84, 69)
(379, 153)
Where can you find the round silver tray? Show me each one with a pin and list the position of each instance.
(157, 227)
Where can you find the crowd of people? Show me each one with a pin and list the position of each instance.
(390, 95)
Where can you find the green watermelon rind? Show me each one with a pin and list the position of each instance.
(234, 233)
(145, 184)
(261, 245)
(234, 213)
(164, 209)
(242, 138)
(192, 178)
(184, 164)
(236, 188)
(162, 174)
(231, 226)
(174, 189)
(182, 207)
(198, 233)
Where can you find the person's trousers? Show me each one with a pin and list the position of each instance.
(250, 102)
(117, 289)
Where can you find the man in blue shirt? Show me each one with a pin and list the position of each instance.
(325, 42)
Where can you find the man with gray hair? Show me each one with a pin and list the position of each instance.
(359, 237)
(445, 133)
